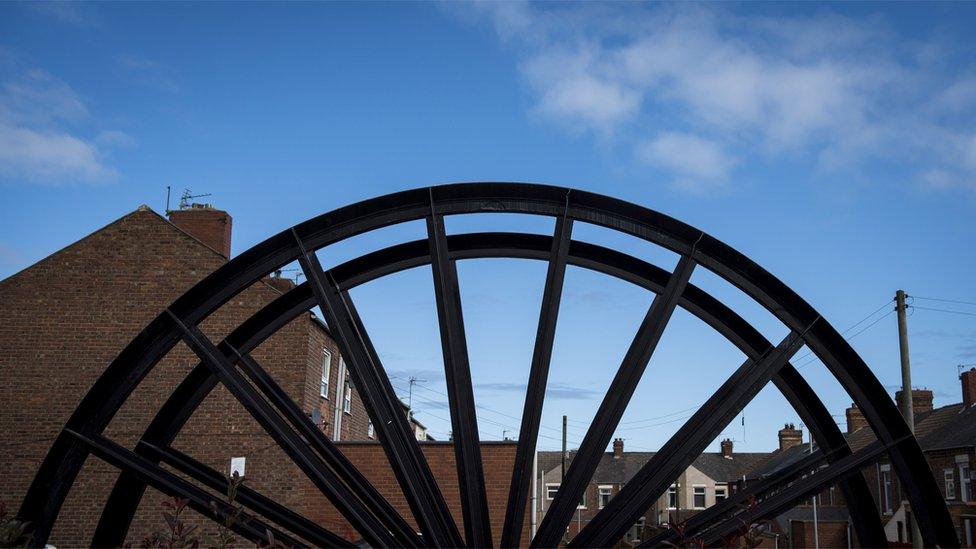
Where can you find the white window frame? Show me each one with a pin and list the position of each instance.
(552, 488)
(604, 490)
(949, 477)
(326, 372)
(346, 397)
(965, 478)
(887, 496)
(703, 494)
(582, 501)
(370, 430)
(724, 490)
(673, 491)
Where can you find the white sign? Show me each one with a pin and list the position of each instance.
(237, 466)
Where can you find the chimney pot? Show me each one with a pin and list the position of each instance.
(207, 224)
(727, 448)
(618, 448)
(968, 379)
(790, 436)
(921, 400)
(855, 419)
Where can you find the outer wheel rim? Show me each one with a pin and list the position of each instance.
(64, 460)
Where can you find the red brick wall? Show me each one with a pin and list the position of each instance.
(206, 224)
(369, 457)
(62, 322)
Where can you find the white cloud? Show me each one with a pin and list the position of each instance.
(698, 164)
(49, 156)
(836, 88)
(40, 140)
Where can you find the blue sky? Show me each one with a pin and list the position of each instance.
(833, 144)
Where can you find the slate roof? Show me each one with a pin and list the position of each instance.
(621, 470)
(945, 427)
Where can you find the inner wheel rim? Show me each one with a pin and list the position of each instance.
(56, 475)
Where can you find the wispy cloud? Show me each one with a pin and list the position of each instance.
(40, 141)
(698, 164)
(553, 390)
(695, 89)
(147, 72)
(72, 13)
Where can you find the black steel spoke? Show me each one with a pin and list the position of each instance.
(295, 447)
(535, 391)
(384, 408)
(684, 446)
(612, 408)
(789, 496)
(248, 497)
(198, 499)
(460, 394)
(355, 480)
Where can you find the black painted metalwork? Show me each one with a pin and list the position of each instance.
(329, 289)
(535, 391)
(460, 393)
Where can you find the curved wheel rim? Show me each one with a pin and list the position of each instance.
(299, 243)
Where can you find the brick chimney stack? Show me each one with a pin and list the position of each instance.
(790, 436)
(855, 419)
(968, 379)
(618, 448)
(205, 223)
(921, 400)
(281, 283)
(727, 448)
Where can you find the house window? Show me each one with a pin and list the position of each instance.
(605, 493)
(326, 370)
(551, 490)
(370, 432)
(721, 494)
(347, 398)
(886, 487)
(950, 483)
(965, 480)
(582, 501)
(699, 496)
(673, 497)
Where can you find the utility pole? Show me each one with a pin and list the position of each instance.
(412, 381)
(816, 526)
(907, 408)
(562, 474)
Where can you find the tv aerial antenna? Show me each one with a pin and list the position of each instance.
(188, 196)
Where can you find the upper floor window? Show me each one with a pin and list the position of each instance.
(965, 479)
(673, 497)
(551, 490)
(886, 495)
(370, 431)
(346, 398)
(326, 370)
(605, 493)
(721, 493)
(699, 496)
(950, 483)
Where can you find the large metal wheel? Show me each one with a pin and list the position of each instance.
(379, 524)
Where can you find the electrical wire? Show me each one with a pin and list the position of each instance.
(943, 310)
(957, 301)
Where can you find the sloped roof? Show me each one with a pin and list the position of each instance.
(612, 470)
(945, 427)
(953, 427)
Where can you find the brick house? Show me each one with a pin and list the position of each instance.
(706, 481)
(947, 436)
(65, 318)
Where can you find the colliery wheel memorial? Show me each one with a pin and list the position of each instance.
(152, 461)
